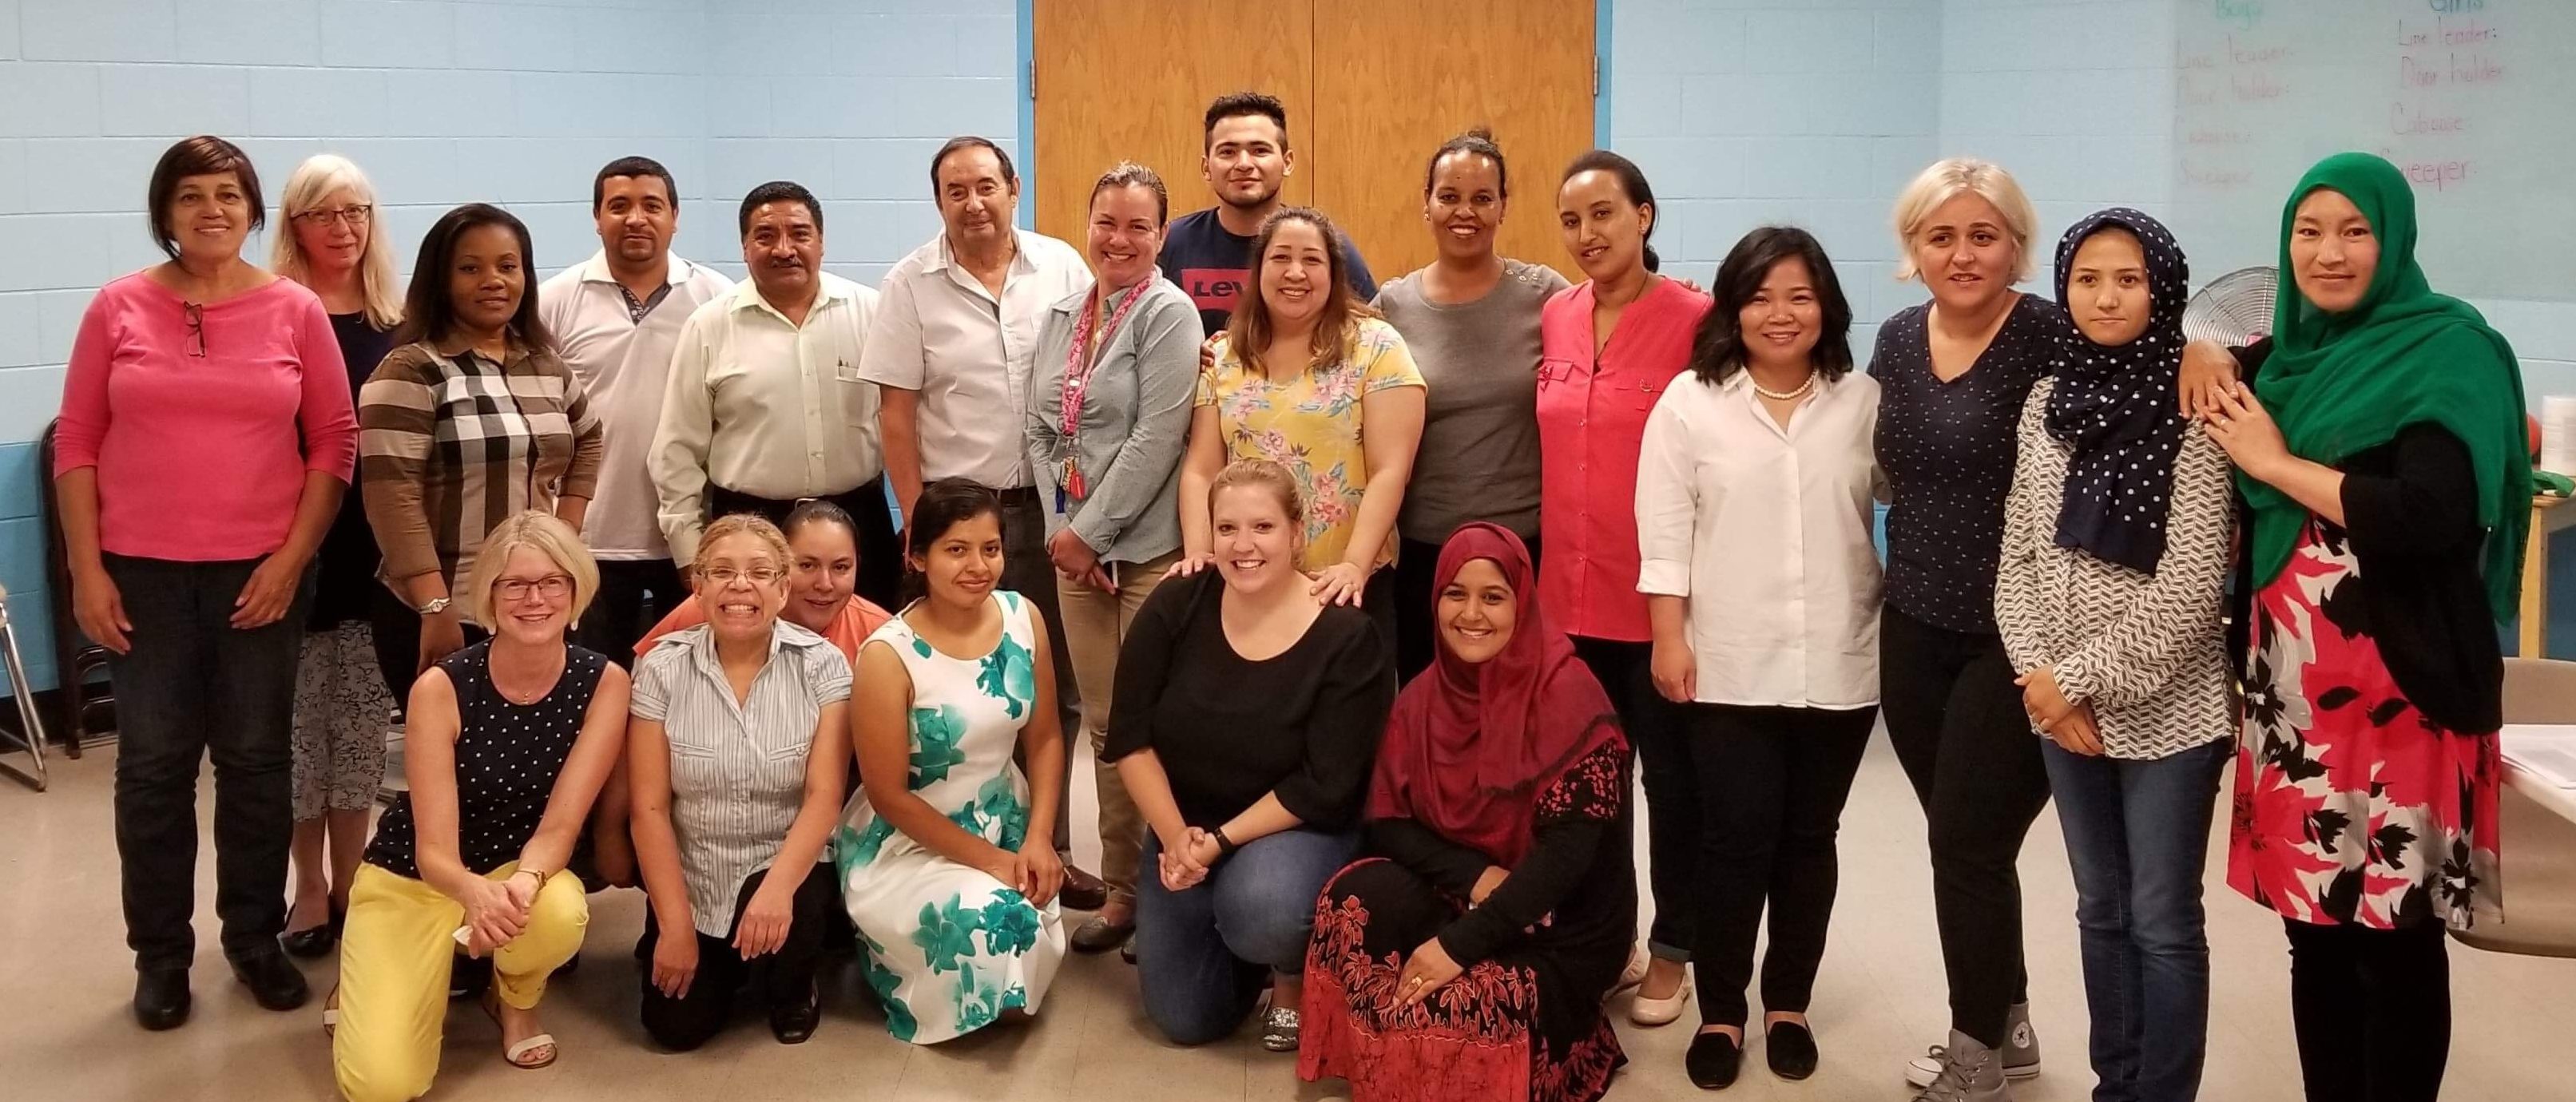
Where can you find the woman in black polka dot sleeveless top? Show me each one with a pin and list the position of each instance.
(507, 744)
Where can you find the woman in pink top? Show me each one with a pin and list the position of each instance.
(1607, 349)
(206, 438)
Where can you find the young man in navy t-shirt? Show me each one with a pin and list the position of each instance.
(1209, 253)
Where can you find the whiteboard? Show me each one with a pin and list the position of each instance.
(2475, 100)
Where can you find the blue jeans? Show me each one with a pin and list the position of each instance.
(1203, 954)
(2137, 833)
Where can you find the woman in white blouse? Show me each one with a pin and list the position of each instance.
(1755, 495)
(739, 755)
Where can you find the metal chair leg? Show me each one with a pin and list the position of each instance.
(31, 725)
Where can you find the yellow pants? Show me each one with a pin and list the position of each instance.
(395, 954)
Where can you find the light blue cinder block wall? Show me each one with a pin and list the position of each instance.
(445, 102)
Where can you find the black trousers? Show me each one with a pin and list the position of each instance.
(634, 595)
(1956, 721)
(1772, 782)
(880, 553)
(781, 979)
(194, 687)
(1673, 796)
(1417, 637)
(2372, 1009)
(397, 630)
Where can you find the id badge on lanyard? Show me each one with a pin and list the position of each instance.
(1077, 381)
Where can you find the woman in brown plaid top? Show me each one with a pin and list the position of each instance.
(470, 420)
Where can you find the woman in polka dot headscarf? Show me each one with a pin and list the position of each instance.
(2108, 597)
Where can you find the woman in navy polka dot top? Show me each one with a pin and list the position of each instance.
(507, 744)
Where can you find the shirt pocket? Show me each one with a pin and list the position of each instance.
(696, 770)
(1644, 393)
(1554, 372)
(858, 396)
(782, 767)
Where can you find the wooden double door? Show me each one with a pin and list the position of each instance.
(1371, 86)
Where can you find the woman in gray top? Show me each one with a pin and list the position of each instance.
(1471, 319)
(1109, 411)
(2107, 594)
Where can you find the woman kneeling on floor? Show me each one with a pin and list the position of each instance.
(1499, 867)
(507, 744)
(738, 755)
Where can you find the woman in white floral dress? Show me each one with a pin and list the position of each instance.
(945, 860)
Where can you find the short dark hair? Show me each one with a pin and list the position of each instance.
(428, 314)
(203, 155)
(819, 510)
(1480, 142)
(1718, 351)
(637, 167)
(1010, 175)
(1632, 182)
(778, 191)
(1238, 104)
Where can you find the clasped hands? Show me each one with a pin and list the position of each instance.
(2067, 723)
(1184, 865)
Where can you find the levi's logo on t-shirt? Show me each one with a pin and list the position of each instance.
(1214, 288)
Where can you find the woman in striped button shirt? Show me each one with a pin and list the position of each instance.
(737, 757)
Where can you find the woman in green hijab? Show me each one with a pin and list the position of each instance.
(2380, 449)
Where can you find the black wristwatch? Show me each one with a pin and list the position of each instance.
(1225, 846)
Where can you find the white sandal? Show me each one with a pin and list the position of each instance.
(517, 1054)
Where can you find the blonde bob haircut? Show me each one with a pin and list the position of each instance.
(1947, 179)
(742, 524)
(313, 182)
(547, 536)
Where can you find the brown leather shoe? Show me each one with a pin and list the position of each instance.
(1083, 891)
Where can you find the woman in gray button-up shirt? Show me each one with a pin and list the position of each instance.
(1109, 460)
(739, 755)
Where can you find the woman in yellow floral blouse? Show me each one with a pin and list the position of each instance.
(1308, 377)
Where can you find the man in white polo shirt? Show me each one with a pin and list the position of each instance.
(615, 317)
(954, 341)
(765, 406)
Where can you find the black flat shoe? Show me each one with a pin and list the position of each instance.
(793, 1025)
(1713, 1061)
(315, 941)
(1791, 1050)
(273, 980)
(161, 998)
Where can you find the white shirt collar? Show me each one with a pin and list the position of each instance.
(746, 295)
(595, 270)
(942, 256)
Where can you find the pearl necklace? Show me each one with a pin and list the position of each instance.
(1788, 395)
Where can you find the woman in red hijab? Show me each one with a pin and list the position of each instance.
(1468, 956)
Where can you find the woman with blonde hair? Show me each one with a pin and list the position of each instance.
(344, 690)
(508, 743)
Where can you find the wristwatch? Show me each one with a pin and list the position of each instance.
(1225, 846)
(434, 607)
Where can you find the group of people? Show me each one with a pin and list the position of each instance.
(648, 562)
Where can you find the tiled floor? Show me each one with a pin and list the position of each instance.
(65, 1035)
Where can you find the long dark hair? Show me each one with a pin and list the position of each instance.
(1632, 182)
(1249, 330)
(429, 314)
(1718, 351)
(943, 505)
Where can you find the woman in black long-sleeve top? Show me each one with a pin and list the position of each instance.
(2381, 451)
(1246, 716)
(1499, 868)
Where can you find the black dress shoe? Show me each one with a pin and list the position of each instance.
(1083, 891)
(793, 1024)
(273, 980)
(1790, 1048)
(161, 998)
(1713, 1061)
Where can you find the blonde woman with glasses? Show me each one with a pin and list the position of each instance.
(508, 744)
(344, 690)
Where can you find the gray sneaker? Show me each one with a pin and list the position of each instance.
(1970, 1072)
(2020, 1051)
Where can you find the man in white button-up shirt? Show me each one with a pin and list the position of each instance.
(766, 406)
(615, 318)
(953, 345)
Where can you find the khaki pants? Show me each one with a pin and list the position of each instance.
(1095, 626)
(394, 962)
